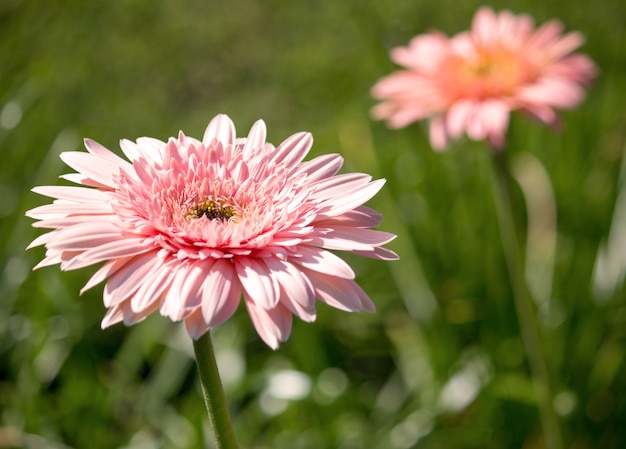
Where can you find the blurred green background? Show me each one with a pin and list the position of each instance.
(441, 364)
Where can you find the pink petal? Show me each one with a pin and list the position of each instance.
(72, 220)
(111, 250)
(437, 133)
(496, 121)
(43, 239)
(60, 209)
(547, 34)
(320, 168)
(273, 325)
(126, 280)
(150, 293)
(361, 217)
(566, 44)
(457, 117)
(256, 139)
(221, 128)
(336, 292)
(102, 152)
(131, 317)
(113, 316)
(50, 259)
(341, 185)
(338, 205)
(379, 253)
(295, 286)
(103, 272)
(476, 129)
(149, 149)
(88, 235)
(484, 25)
(322, 261)
(72, 193)
(257, 281)
(195, 325)
(185, 292)
(221, 293)
(350, 239)
(79, 178)
(560, 93)
(423, 53)
(293, 149)
(101, 170)
(174, 304)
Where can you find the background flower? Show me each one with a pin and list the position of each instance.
(188, 226)
(470, 82)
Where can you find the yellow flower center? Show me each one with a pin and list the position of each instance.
(213, 210)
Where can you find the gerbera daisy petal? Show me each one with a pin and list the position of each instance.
(113, 316)
(86, 235)
(360, 217)
(126, 280)
(349, 239)
(257, 281)
(43, 239)
(151, 149)
(221, 293)
(102, 152)
(323, 261)
(457, 117)
(437, 133)
(379, 253)
(174, 304)
(101, 170)
(111, 250)
(150, 293)
(221, 129)
(484, 26)
(273, 325)
(341, 204)
(72, 193)
(191, 290)
(60, 209)
(321, 167)
(335, 291)
(255, 139)
(79, 178)
(131, 317)
(296, 288)
(293, 149)
(104, 272)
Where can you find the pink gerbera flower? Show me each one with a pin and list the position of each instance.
(187, 227)
(469, 83)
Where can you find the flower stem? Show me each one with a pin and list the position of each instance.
(214, 396)
(524, 306)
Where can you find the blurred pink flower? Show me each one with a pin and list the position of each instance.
(186, 227)
(470, 82)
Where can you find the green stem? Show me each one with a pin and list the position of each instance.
(524, 305)
(214, 396)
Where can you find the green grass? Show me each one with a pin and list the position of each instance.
(112, 70)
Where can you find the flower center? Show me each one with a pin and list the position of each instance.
(213, 210)
(492, 74)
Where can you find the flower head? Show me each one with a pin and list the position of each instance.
(470, 82)
(187, 227)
